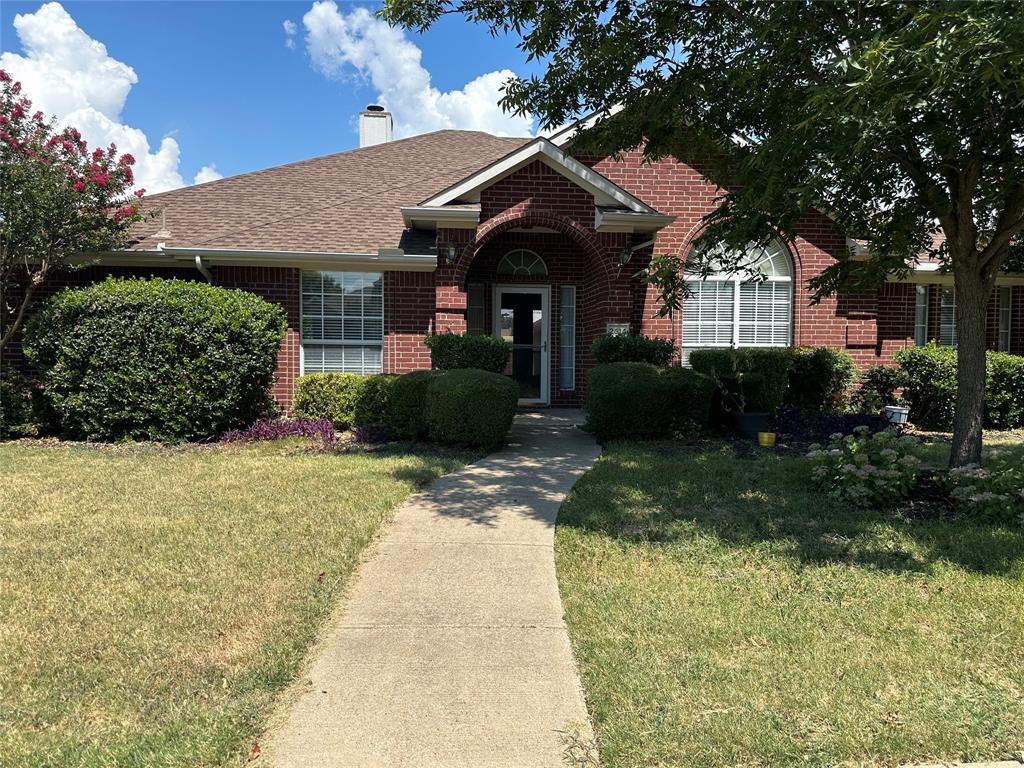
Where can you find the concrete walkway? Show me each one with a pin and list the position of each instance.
(452, 650)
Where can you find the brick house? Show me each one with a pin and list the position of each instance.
(372, 249)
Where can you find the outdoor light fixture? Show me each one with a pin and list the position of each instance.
(452, 253)
(625, 256)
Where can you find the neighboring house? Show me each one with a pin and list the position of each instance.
(371, 250)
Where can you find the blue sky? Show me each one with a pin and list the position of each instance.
(220, 81)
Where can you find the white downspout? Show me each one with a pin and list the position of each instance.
(203, 270)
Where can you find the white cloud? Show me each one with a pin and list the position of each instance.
(68, 74)
(207, 173)
(290, 28)
(340, 44)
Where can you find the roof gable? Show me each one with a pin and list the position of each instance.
(606, 193)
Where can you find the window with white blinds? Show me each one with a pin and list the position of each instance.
(1004, 318)
(342, 322)
(920, 315)
(567, 338)
(947, 318)
(750, 306)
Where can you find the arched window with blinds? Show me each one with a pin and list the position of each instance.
(749, 306)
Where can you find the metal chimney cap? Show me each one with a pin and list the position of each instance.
(374, 108)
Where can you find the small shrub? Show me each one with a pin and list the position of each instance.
(819, 378)
(373, 402)
(929, 386)
(449, 352)
(632, 348)
(406, 417)
(330, 396)
(155, 359)
(993, 495)
(749, 379)
(878, 386)
(1004, 391)
(18, 396)
(643, 401)
(818, 425)
(470, 407)
(865, 469)
(278, 429)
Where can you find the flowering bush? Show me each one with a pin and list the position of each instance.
(996, 495)
(865, 468)
(276, 429)
(58, 200)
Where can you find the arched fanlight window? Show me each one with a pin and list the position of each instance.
(522, 263)
(749, 305)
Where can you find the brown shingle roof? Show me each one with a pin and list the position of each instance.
(343, 203)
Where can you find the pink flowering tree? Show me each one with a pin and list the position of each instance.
(59, 202)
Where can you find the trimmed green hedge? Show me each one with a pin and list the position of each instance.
(155, 359)
(819, 378)
(470, 407)
(644, 401)
(929, 387)
(753, 378)
(330, 396)
(406, 418)
(373, 402)
(632, 348)
(449, 352)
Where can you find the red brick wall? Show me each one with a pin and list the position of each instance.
(408, 318)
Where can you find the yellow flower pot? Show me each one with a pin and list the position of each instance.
(766, 439)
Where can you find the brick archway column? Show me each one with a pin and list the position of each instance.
(449, 282)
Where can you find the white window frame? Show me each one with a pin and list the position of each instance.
(566, 349)
(1005, 303)
(338, 343)
(738, 279)
(921, 315)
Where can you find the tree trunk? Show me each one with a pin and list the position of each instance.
(972, 294)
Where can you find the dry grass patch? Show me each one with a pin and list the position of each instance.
(155, 600)
(725, 613)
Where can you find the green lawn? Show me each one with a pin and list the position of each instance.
(153, 601)
(725, 613)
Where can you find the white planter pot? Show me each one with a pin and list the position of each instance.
(897, 414)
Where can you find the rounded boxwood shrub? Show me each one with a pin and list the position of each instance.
(155, 359)
(929, 385)
(819, 378)
(330, 396)
(373, 402)
(470, 407)
(632, 348)
(407, 403)
(643, 401)
(449, 352)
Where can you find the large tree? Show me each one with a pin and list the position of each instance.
(903, 121)
(59, 202)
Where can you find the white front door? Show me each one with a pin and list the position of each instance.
(522, 316)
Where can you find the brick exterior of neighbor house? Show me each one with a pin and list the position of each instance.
(537, 207)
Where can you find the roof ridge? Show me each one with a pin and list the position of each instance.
(352, 151)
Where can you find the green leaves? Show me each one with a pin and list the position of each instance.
(155, 359)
